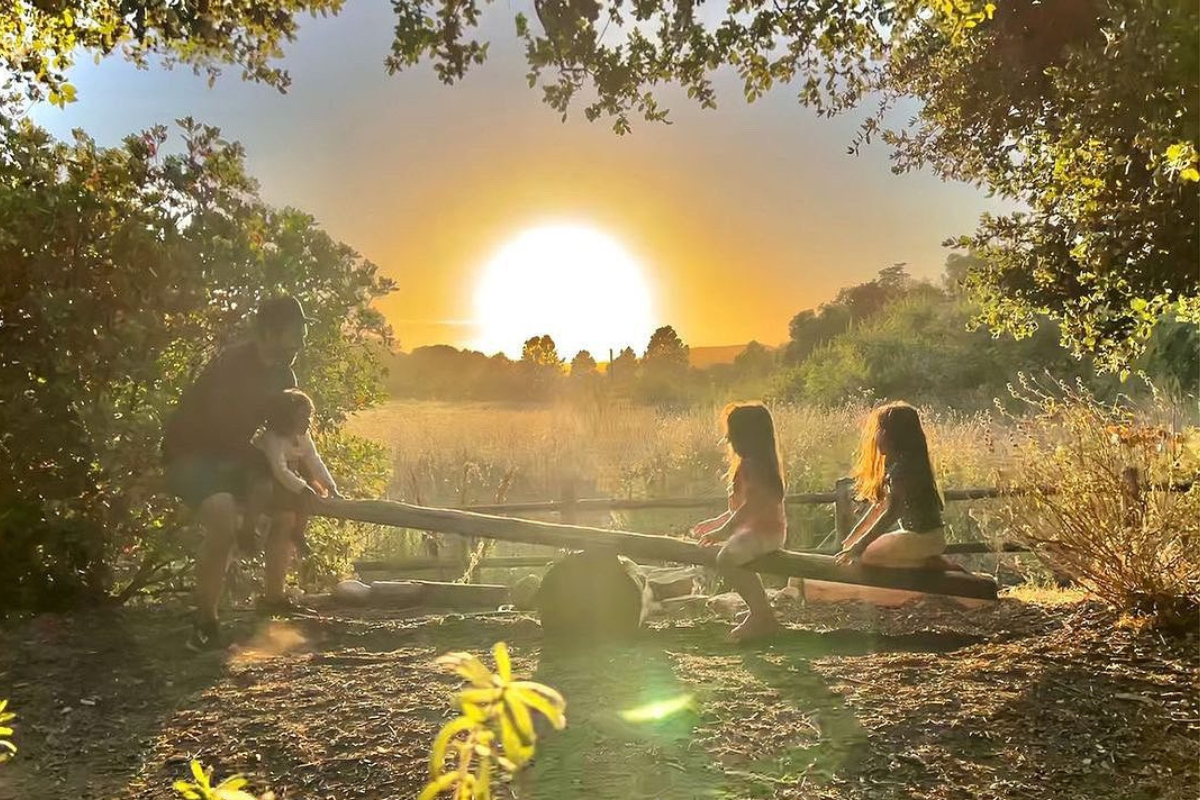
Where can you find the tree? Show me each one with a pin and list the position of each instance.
(39, 40)
(811, 328)
(1083, 112)
(540, 351)
(623, 372)
(957, 270)
(666, 354)
(921, 349)
(754, 362)
(125, 269)
(665, 367)
(583, 365)
(541, 365)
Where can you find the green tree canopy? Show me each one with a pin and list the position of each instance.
(125, 269)
(39, 39)
(1083, 112)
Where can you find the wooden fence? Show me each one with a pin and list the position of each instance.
(570, 506)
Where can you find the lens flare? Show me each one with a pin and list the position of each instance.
(658, 710)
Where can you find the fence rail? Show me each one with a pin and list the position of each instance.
(570, 506)
(621, 504)
(842, 498)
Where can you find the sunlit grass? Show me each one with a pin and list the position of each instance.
(448, 452)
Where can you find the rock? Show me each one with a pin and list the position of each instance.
(524, 592)
(592, 595)
(727, 605)
(352, 593)
(668, 582)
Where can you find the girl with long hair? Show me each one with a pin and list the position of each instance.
(755, 523)
(903, 527)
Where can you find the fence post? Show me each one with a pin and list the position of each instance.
(843, 509)
(568, 514)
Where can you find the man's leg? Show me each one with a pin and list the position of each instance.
(286, 526)
(218, 516)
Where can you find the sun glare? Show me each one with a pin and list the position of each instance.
(572, 282)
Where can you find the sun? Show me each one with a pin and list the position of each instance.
(570, 281)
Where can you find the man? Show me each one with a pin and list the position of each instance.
(211, 463)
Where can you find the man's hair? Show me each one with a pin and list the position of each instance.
(276, 314)
(281, 412)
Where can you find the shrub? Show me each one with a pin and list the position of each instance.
(203, 789)
(125, 269)
(496, 727)
(7, 748)
(1109, 500)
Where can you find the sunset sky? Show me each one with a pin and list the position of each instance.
(739, 217)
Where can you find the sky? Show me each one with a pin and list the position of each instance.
(738, 217)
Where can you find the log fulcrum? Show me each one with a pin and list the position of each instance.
(641, 546)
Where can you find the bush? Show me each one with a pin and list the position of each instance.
(125, 269)
(1105, 504)
(496, 728)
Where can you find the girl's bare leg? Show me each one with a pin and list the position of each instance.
(761, 620)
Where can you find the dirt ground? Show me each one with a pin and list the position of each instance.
(1023, 701)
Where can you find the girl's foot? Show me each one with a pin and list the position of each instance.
(754, 627)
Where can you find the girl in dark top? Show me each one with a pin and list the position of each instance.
(903, 527)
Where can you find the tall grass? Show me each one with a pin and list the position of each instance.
(456, 454)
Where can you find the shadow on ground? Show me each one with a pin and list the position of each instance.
(112, 707)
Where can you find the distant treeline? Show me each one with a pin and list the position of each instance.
(893, 336)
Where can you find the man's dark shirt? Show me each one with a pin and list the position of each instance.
(219, 414)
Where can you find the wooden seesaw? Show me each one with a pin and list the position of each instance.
(589, 579)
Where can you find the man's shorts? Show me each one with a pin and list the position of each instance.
(195, 478)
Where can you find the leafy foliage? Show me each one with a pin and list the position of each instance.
(1083, 112)
(7, 748)
(1100, 508)
(920, 348)
(583, 365)
(126, 268)
(39, 40)
(665, 367)
(496, 727)
(202, 788)
(812, 328)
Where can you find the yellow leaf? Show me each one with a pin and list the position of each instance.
(468, 667)
(438, 785)
(184, 788)
(1190, 174)
(232, 794)
(521, 718)
(483, 786)
(503, 662)
(514, 749)
(542, 699)
(479, 697)
(437, 757)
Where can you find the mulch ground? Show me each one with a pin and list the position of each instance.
(1022, 701)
